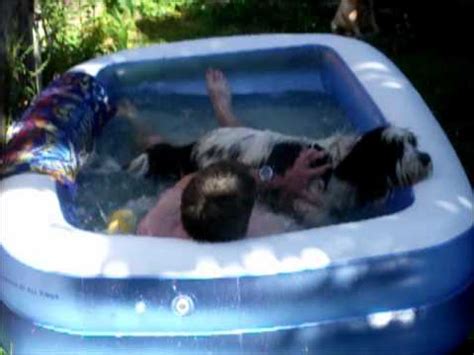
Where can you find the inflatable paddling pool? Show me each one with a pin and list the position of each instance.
(400, 282)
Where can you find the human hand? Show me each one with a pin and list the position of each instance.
(184, 181)
(296, 180)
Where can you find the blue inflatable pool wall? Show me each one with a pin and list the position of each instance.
(400, 282)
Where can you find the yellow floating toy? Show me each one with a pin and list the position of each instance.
(122, 221)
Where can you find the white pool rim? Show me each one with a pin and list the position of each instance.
(34, 231)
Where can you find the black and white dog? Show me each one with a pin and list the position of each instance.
(365, 168)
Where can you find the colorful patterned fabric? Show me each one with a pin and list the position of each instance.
(56, 134)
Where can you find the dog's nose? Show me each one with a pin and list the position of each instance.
(425, 159)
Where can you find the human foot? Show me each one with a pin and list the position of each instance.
(221, 98)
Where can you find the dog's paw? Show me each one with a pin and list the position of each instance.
(139, 166)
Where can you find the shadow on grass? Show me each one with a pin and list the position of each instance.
(220, 18)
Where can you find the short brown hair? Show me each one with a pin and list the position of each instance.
(217, 203)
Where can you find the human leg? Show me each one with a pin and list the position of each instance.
(221, 98)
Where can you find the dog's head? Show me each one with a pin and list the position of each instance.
(382, 159)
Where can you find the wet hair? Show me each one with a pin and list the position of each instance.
(217, 203)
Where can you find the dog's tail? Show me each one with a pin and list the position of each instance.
(163, 160)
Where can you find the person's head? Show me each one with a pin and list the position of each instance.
(217, 203)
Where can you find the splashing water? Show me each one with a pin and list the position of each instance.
(104, 187)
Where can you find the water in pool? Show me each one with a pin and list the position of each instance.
(103, 187)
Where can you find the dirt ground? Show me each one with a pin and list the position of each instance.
(433, 53)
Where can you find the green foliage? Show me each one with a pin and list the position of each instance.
(73, 31)
(120, 5)
(148, 8)
(76, 31)
(198, 18)
(66, 39)
(263, 16)
(21, 81)
(5, 352)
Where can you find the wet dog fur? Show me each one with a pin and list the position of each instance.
(366, 168)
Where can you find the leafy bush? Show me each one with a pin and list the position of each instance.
(77, 31)
(21, 81)
(198, 18)
(148, 8)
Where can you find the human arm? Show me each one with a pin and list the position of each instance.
(221, 98)
(164, 219)
(296, 179)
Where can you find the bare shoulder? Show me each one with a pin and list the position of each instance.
(266, 222)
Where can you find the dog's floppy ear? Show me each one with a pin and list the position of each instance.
(283, 156)
(370, 165)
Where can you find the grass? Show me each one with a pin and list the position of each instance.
(220, 18)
